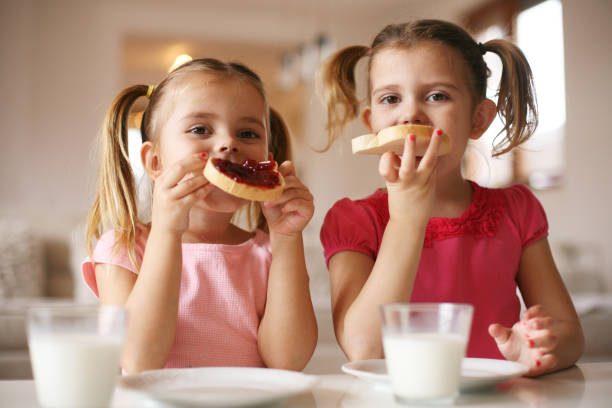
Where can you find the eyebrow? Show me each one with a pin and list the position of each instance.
(393, 87)
(385, 88)
(199, 115)
(250, 119)
(442, 84)
(206, 115)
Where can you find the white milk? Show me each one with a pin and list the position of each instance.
(424, 365)
(74, 370)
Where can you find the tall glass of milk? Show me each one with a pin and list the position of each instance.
(424, 346)
(75, 354)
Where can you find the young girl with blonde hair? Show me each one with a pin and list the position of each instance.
(200, 291)
(434, 236)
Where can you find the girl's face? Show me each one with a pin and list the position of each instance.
(426, 84)
(223, 116)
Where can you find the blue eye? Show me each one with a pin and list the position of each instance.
(389, 99)
(200, 130)
(437, 97)
(248, 134)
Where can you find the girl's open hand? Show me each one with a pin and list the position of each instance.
(411, 185)
(176, 189)
(289, 213)
(531, 341)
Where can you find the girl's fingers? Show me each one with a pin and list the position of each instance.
(431, 154)
(177, 171)
(500, 333)
(547, 362)
(299, 206)
(539, 323)
(543, 339)
(286, 169)
(388, 165)
(408, 157)
(542, 364)
(187, 187)
(534, 311)
(291, 194)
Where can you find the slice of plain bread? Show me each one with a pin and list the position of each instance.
(241, 189)
(392, 138)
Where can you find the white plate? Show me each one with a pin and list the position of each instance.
(218, 386)
(476, 373)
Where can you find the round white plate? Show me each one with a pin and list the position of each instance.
(218, 386)
(476, 373)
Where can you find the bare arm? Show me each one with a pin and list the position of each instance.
(288, 329)
(549, 336)
(152, 298)
(358, 284)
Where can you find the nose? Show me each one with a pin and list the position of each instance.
(226, 145)
(411, 115)
(228, 148)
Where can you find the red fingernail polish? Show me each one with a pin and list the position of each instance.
(439, 132)
(412, 138)
(204, 155)
(531, 343)
(538, 363)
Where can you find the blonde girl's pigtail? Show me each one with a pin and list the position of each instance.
(115, 203)
(516, 104)
(336, 88)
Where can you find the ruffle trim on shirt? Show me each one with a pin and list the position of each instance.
(482, 218)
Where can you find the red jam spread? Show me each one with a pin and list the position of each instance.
(252, 172)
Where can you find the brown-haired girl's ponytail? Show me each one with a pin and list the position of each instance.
(115, 203)
(516, 103)
(336, 84)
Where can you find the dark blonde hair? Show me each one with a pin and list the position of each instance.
(115, 204)
(516, 104)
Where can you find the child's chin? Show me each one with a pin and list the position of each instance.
(220, 201)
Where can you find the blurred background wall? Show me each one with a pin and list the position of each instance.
(64, 60)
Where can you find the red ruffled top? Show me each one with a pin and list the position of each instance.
(472, 258)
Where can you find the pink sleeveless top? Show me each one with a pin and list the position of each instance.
(473, 258)
(222, 299)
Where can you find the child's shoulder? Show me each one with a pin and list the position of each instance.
(517, 197)
(109, 238)
(369, 214)
(375, 201)
(524, 210)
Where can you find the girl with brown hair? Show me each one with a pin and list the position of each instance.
(434, 236)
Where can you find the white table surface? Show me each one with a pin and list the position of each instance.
(585, 385)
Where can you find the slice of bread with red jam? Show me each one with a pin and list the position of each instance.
(251, 180)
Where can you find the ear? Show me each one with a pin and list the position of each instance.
(151, 160)
(483, 116)
(366, 117)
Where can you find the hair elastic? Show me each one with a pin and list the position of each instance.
(150, 91)
(481, 48)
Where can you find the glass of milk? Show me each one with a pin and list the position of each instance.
(424, 346)
(75, 354)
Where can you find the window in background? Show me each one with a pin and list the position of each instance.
(539, 33)
(537, 27)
